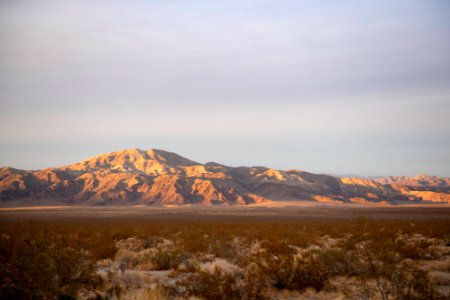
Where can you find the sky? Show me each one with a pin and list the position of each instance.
(339, 87)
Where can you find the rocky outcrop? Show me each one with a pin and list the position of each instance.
(421, 180)
(152, 177)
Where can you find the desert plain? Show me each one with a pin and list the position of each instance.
(286, 250)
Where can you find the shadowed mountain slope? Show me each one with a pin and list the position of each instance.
(134, 176)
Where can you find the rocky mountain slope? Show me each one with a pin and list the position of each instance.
(421, 180)
(136, 177)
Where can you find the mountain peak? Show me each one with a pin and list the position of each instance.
(151, 161)
(135, 176)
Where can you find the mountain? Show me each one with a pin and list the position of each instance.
(421, 180)
(145, 177)
(428, 187)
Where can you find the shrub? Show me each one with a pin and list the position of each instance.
(157, 293)
(414, 247)
(255, 285)
(166, 259)
(281, 267)
(54, 258)
(336, 262)
(42, 265)
(217, 285)
(126, 259)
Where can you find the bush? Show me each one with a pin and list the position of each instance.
(42, 265)
(217, 285)
(166, 259)
(52, 259)
(157, 293)
(282, 268)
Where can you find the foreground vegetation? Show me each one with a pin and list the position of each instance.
(225, 258)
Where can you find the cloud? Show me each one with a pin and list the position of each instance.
(99, 70)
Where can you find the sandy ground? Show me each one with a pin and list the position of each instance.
(303, 211)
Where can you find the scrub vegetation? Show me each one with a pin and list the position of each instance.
(225, 258)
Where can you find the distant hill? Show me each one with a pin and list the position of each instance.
(421, 180)
(145, 177)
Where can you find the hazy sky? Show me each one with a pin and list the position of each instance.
(344, 87)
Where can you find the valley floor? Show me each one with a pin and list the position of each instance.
(278, 210)
(236, 252)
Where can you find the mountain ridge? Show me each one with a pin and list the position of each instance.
(159, 177)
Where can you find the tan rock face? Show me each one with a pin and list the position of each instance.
(420, 180)
(148, 177)
(432, 196)
(151, 162)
